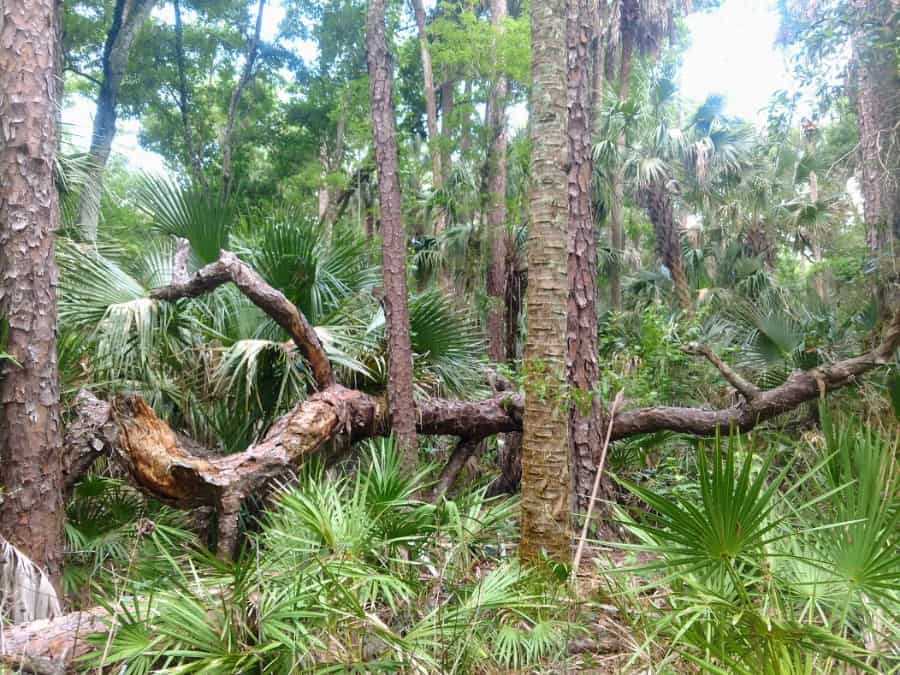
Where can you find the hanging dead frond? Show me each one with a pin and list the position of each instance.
(26, 593)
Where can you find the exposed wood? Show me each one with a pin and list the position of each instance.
(49, 646)
(230, 269)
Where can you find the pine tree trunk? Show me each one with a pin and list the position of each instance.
(430, 111)
(583, 370)
(668, 240)
(128, 17)
(31, 506)
(496, 217)
(393, 247)
(878, 115)
(546, 488)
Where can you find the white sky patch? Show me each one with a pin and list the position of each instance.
(733, 53)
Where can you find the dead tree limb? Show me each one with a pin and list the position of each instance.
(230, 268)
(746, 388)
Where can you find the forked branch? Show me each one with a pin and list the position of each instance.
(230, 268)
(746, 388)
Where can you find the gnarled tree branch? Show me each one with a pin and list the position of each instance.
(746, 388)
(229, 268)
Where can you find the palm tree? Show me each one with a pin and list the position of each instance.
(545, 453)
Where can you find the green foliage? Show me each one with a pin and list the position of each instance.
(770, 566)
(353, 574)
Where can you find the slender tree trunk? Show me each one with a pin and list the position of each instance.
(193, 156)
(128, 17)
(393, 248)
(31, 508)
(447, 95)
(668, 240)
(581, 333)
(815, 240)
(496, 217)
(546, 489)
(878, 115)
(246, 75)
(617, 208)
(434, 146)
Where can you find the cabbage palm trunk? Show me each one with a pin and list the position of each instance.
(31, 508)
(545, 450)
(668, 239)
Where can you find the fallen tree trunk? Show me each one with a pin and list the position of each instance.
(49, 646)
(159, 461)
(164, 464)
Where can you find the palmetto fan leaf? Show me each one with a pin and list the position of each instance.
(194, 214)
(317, 275)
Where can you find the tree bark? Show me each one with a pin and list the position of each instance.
(393, 247)
(545, 449)
(878, 115)
(246, 75)
(31, 469)
(128, 17)
(581, 332)
(668, 239)
(496, 217)
(163, 463)
(430, 111)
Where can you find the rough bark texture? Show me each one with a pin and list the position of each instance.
(545, 449)
(31, 470)
(128, 17)
(668, 239)
(230, 269)
(581, 332)
(878, 113)
(393, 246)
(496, 216)
(49, 646)
(430, 111)
(246, 75)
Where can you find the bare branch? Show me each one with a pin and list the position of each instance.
(747, 389)
(180, 261)
(229, 268)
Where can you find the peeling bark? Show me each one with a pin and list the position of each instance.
(31, 469)
(581, 331)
